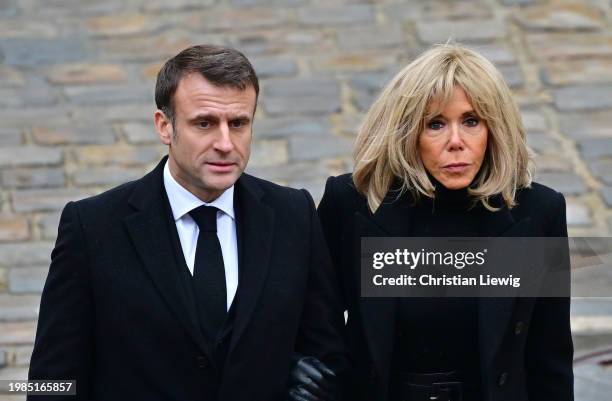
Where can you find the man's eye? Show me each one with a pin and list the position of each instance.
(237, 123)
(471, 122)
(204, 124)
(435, 125)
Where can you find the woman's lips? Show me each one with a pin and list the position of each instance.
(456, 167)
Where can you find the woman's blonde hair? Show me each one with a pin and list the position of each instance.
(387, 144)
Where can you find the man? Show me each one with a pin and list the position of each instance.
(196, 282)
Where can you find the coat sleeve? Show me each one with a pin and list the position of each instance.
(549, 348)
(64, 336)
(321, 331)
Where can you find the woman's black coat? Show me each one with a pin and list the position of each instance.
(525, 343)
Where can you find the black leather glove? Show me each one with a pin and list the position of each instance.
(311, 380)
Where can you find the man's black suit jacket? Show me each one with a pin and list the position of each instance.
(525, 343)
(115, 317)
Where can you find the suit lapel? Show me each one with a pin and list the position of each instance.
(255, 223)
(392, 219)
(149, 228)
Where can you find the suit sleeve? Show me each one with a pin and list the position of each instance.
(321, 332)
(63, 345)
(549, 348)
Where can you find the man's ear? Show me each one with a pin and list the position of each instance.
(163, 126)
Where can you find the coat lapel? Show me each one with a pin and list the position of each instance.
(495, 314)
(392, 219)
(255, 223)
(149, 228)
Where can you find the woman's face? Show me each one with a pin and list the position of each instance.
(453, 143)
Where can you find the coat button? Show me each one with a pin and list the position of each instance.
(202, 362)
(503, 378)
(518, 329)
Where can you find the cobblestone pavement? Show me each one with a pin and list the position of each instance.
(76, 90)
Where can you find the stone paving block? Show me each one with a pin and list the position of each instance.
(255, 3)
(304, 171)
(73, 134)
(578, 214)
(149, 48)
(513, 75)
(76, 8)
(498, 53)
(2, 359)
(228, 19)
(15, 308)
(19, 254)
(122, 25)
(85, 74)
(139, 133)
(566, 183)
(301, 96)
(309, 147)
(268, 152)
(267, 67)
(86, 95)
(105, 176)
(36, 93)
(602, 169)
(371, 37)
(402, 12)
(34, 52)
(517, 2)
(460, 30)
(3, 279)
(349, 14)
(606, 194)
(117, 154)
(155, 6)
(359, 61)
(33, 177)
(592, 148)
(552, 162)
(11, 77)
(40, 200)
(583, 97)
(23, 354)
(543, 143)
(534, 121)
(25, 28)
(10, 137)
(584, 125)
(48, 224)
(559, 16)
(289, 126)
(8, 8)
(29, 155)
(115, 113)
(23, 280)
(14, 228)
(17, 333)
(579, 71)
(557, 45)
(367, 87)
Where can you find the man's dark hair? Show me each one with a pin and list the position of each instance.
(219, 65)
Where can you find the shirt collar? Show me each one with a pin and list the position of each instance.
(182, 201)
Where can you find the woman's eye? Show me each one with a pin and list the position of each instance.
(435, 125)
(471, 122)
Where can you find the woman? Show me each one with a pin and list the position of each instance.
(442, 152)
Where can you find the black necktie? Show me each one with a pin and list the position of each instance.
(209, 272)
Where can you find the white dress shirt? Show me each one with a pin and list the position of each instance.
(182, 202)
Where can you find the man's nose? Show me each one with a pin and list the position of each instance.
(224, 140)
